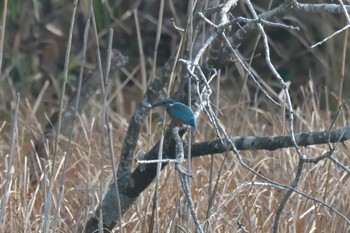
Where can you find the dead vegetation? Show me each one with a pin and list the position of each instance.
(226, 196)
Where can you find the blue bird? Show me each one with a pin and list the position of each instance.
(179, 112)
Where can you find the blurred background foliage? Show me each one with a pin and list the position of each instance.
(34, 52)
(36, 36)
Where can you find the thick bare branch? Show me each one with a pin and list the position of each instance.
(272, 142)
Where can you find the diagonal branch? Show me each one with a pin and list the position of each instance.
(139, 117)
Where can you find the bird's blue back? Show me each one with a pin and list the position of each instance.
(182, 113)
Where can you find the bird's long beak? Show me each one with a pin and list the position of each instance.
(157, 104)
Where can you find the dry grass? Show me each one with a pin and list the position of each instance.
(238, 203)
(253, 206)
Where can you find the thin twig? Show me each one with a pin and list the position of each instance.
(6, 188)
(56, 140)
(184, 178)
(2, 34)
(75, 113)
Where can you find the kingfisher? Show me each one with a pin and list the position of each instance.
(180, 113)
